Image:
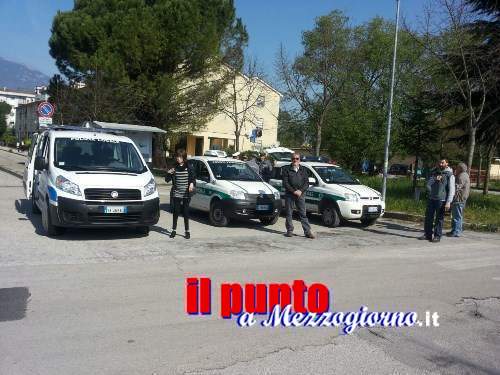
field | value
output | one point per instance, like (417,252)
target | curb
(420,219)
(12,151)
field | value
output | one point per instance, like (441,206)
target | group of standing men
(446,191)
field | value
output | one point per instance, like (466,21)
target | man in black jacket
(296,182)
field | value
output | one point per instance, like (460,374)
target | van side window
(41,145)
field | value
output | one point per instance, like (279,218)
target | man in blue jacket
(441,190)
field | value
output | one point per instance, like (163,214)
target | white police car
(89,178)
(229,189)
(336,195)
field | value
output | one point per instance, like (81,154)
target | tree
(459,59)
(419,131)
(355,126)
(150,60)
(292,131)
(316,78)
(4,112)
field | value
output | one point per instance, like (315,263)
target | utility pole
(391,97)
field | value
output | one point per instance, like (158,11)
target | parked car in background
(279,153)
(399,170)
(317,159)
(215,153)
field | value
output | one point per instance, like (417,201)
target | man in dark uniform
(296,183)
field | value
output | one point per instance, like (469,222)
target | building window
(261,101)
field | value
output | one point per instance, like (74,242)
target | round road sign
(45,109)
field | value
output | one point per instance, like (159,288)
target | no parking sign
(45,109)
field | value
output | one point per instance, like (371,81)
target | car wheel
(34,207)
(330,216)
(368,222)
(144,230)
(217,216)
(50,229)
(269,220)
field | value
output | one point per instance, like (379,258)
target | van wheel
(50,229)
(216,216)
(269,220)
(144,230)
(330,216)
(368,222)
(34,207)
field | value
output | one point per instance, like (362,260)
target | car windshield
(232,171)
(335,175)
(77,154)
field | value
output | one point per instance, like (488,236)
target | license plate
(263,207)
(115,209)
(372,209)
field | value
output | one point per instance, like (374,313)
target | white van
(229,189)
(336,195)
(90,178)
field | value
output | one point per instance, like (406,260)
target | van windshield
(335,175)
(232,171)
(77,154)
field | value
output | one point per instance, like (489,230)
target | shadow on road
(388,226)
(23,206)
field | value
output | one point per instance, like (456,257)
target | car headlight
(277,195)
(62,183)
(150,187)
(351,197)
(237,194)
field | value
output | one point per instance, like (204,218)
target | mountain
(18,76)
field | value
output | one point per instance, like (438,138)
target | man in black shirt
(296,182)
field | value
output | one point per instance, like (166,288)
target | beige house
(257,106)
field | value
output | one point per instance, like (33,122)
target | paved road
(109,302)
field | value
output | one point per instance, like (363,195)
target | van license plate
(115,209)
(372,209)
(263,207)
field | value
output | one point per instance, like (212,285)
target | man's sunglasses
(295,158)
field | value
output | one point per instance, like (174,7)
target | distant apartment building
(262,101)
(15,98)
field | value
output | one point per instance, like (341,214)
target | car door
(41,178)
(29,167)
(312,194)
(201,200)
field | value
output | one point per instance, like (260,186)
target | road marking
(470,263)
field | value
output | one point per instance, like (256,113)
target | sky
(25,25)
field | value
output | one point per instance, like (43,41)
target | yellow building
(257,106)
